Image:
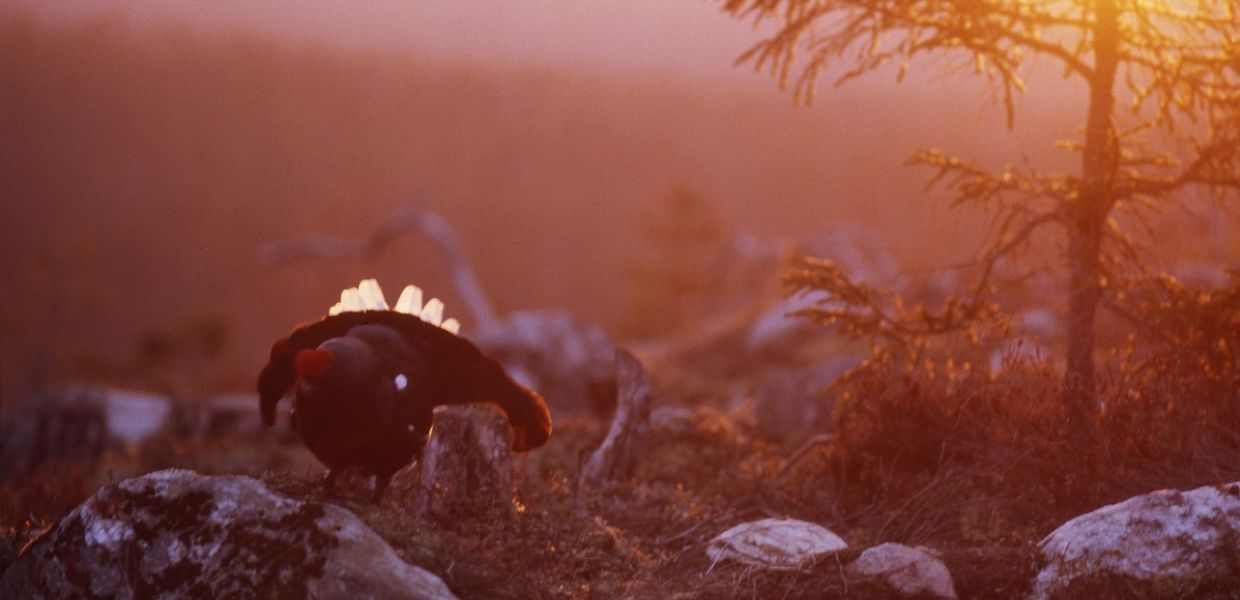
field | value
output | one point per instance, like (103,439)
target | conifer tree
(1162,121)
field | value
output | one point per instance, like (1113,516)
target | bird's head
(312,365)
(337,365)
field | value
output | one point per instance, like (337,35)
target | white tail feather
(410,301)
(352,299)
(369,296)
(433,311)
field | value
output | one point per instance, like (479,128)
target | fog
(152,148)
(687,38)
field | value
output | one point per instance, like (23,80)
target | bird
(366,378)
(569,361)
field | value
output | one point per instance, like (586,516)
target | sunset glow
(697,299)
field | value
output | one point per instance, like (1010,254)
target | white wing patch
(401,382)
(369,296)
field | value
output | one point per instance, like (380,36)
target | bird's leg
(329,480)
(381,483)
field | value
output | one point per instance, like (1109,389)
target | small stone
(774,543)
(912,571)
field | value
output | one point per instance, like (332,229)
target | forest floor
(974,467)
(643,539)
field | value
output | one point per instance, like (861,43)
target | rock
(66,424)
(911,571)
(1162,544)
(774,543)
(569,362)
(860,252)
(177,534)
(222,414)
(790,405)
(778,326)
(467,466)
(134,416)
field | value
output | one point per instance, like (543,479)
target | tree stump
(616,458)
(467,466)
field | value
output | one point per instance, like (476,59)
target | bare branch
(869,34)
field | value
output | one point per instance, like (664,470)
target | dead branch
(411,219)
(616,458)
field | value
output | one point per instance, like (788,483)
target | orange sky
(567,119)
(678,36)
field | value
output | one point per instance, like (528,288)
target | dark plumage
(365,384)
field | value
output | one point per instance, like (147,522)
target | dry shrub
(937,450)
(1172,415)
(934,449)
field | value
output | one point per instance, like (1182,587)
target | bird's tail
(369,296)
(527,411)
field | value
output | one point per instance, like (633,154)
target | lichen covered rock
(177,534)
(774,543)
(907,570)
(1162,544)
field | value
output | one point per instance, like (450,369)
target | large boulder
(907,570)
(1167,543)
(177,534)
(774,543)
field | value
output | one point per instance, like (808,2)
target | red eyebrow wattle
(313,364)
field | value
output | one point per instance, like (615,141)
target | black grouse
(366,380)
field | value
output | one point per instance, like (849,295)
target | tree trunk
(1087,214)
(1084,242)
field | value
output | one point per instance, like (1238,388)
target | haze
(151,148)
(687,37)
